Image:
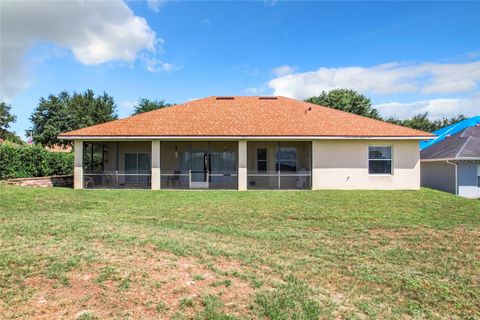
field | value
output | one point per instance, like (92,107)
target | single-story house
(453,164)
(247,143)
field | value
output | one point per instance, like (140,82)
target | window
(380,160)
(287,159)
(262,159)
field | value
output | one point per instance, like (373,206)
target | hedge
(24,161)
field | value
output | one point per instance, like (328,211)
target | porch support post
(155,184)
(242,165)
(315,168)
(78,165)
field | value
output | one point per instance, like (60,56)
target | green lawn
(227,255)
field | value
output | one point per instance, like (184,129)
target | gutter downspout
(456,175)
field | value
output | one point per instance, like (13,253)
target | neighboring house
(453,164)
(59,148)
(247,143)
(450,130)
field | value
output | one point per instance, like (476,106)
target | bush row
(24,161)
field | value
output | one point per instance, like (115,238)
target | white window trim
(392,156)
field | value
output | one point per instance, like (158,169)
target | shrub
(24,161)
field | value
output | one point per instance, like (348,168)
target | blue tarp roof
(447,131)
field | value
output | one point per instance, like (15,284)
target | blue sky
(408,57)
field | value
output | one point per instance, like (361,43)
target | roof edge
(451,159)
(131,137)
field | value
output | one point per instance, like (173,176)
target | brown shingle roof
(464,144)
(247,116)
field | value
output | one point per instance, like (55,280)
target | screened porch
(117,165)
(279,165)
(198,165)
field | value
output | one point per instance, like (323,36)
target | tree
(346,100)
(145,105)
(65,112)
(423,123)
(6,118)
(354,102)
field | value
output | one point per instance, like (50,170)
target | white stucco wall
(343,164)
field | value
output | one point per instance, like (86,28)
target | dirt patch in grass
(142,283)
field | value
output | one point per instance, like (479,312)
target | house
(450,130)
(453,164)
(247,143)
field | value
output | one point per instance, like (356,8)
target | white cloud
(155,5)
(426,78)
(269,3)
(95,31)
(127,104)
(436,108)
(156,65)
(263,89)
(252,90)
(283,71)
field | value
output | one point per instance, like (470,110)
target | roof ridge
(463,147)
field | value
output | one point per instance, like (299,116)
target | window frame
(391,159)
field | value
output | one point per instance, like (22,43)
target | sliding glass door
(137,168)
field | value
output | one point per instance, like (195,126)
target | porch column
(78,165)
(315,168)
(155,184)
(242,165)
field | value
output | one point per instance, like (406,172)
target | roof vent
(224,98)
(268,98)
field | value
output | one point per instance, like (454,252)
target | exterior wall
(438,175)
(343,164)
(468,179)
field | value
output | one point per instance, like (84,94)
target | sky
(408,57)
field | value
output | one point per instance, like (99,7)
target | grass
(238,255)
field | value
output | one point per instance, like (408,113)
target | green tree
(423,123)
(65,112)
(346,100)
(145,105)
(6,118)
